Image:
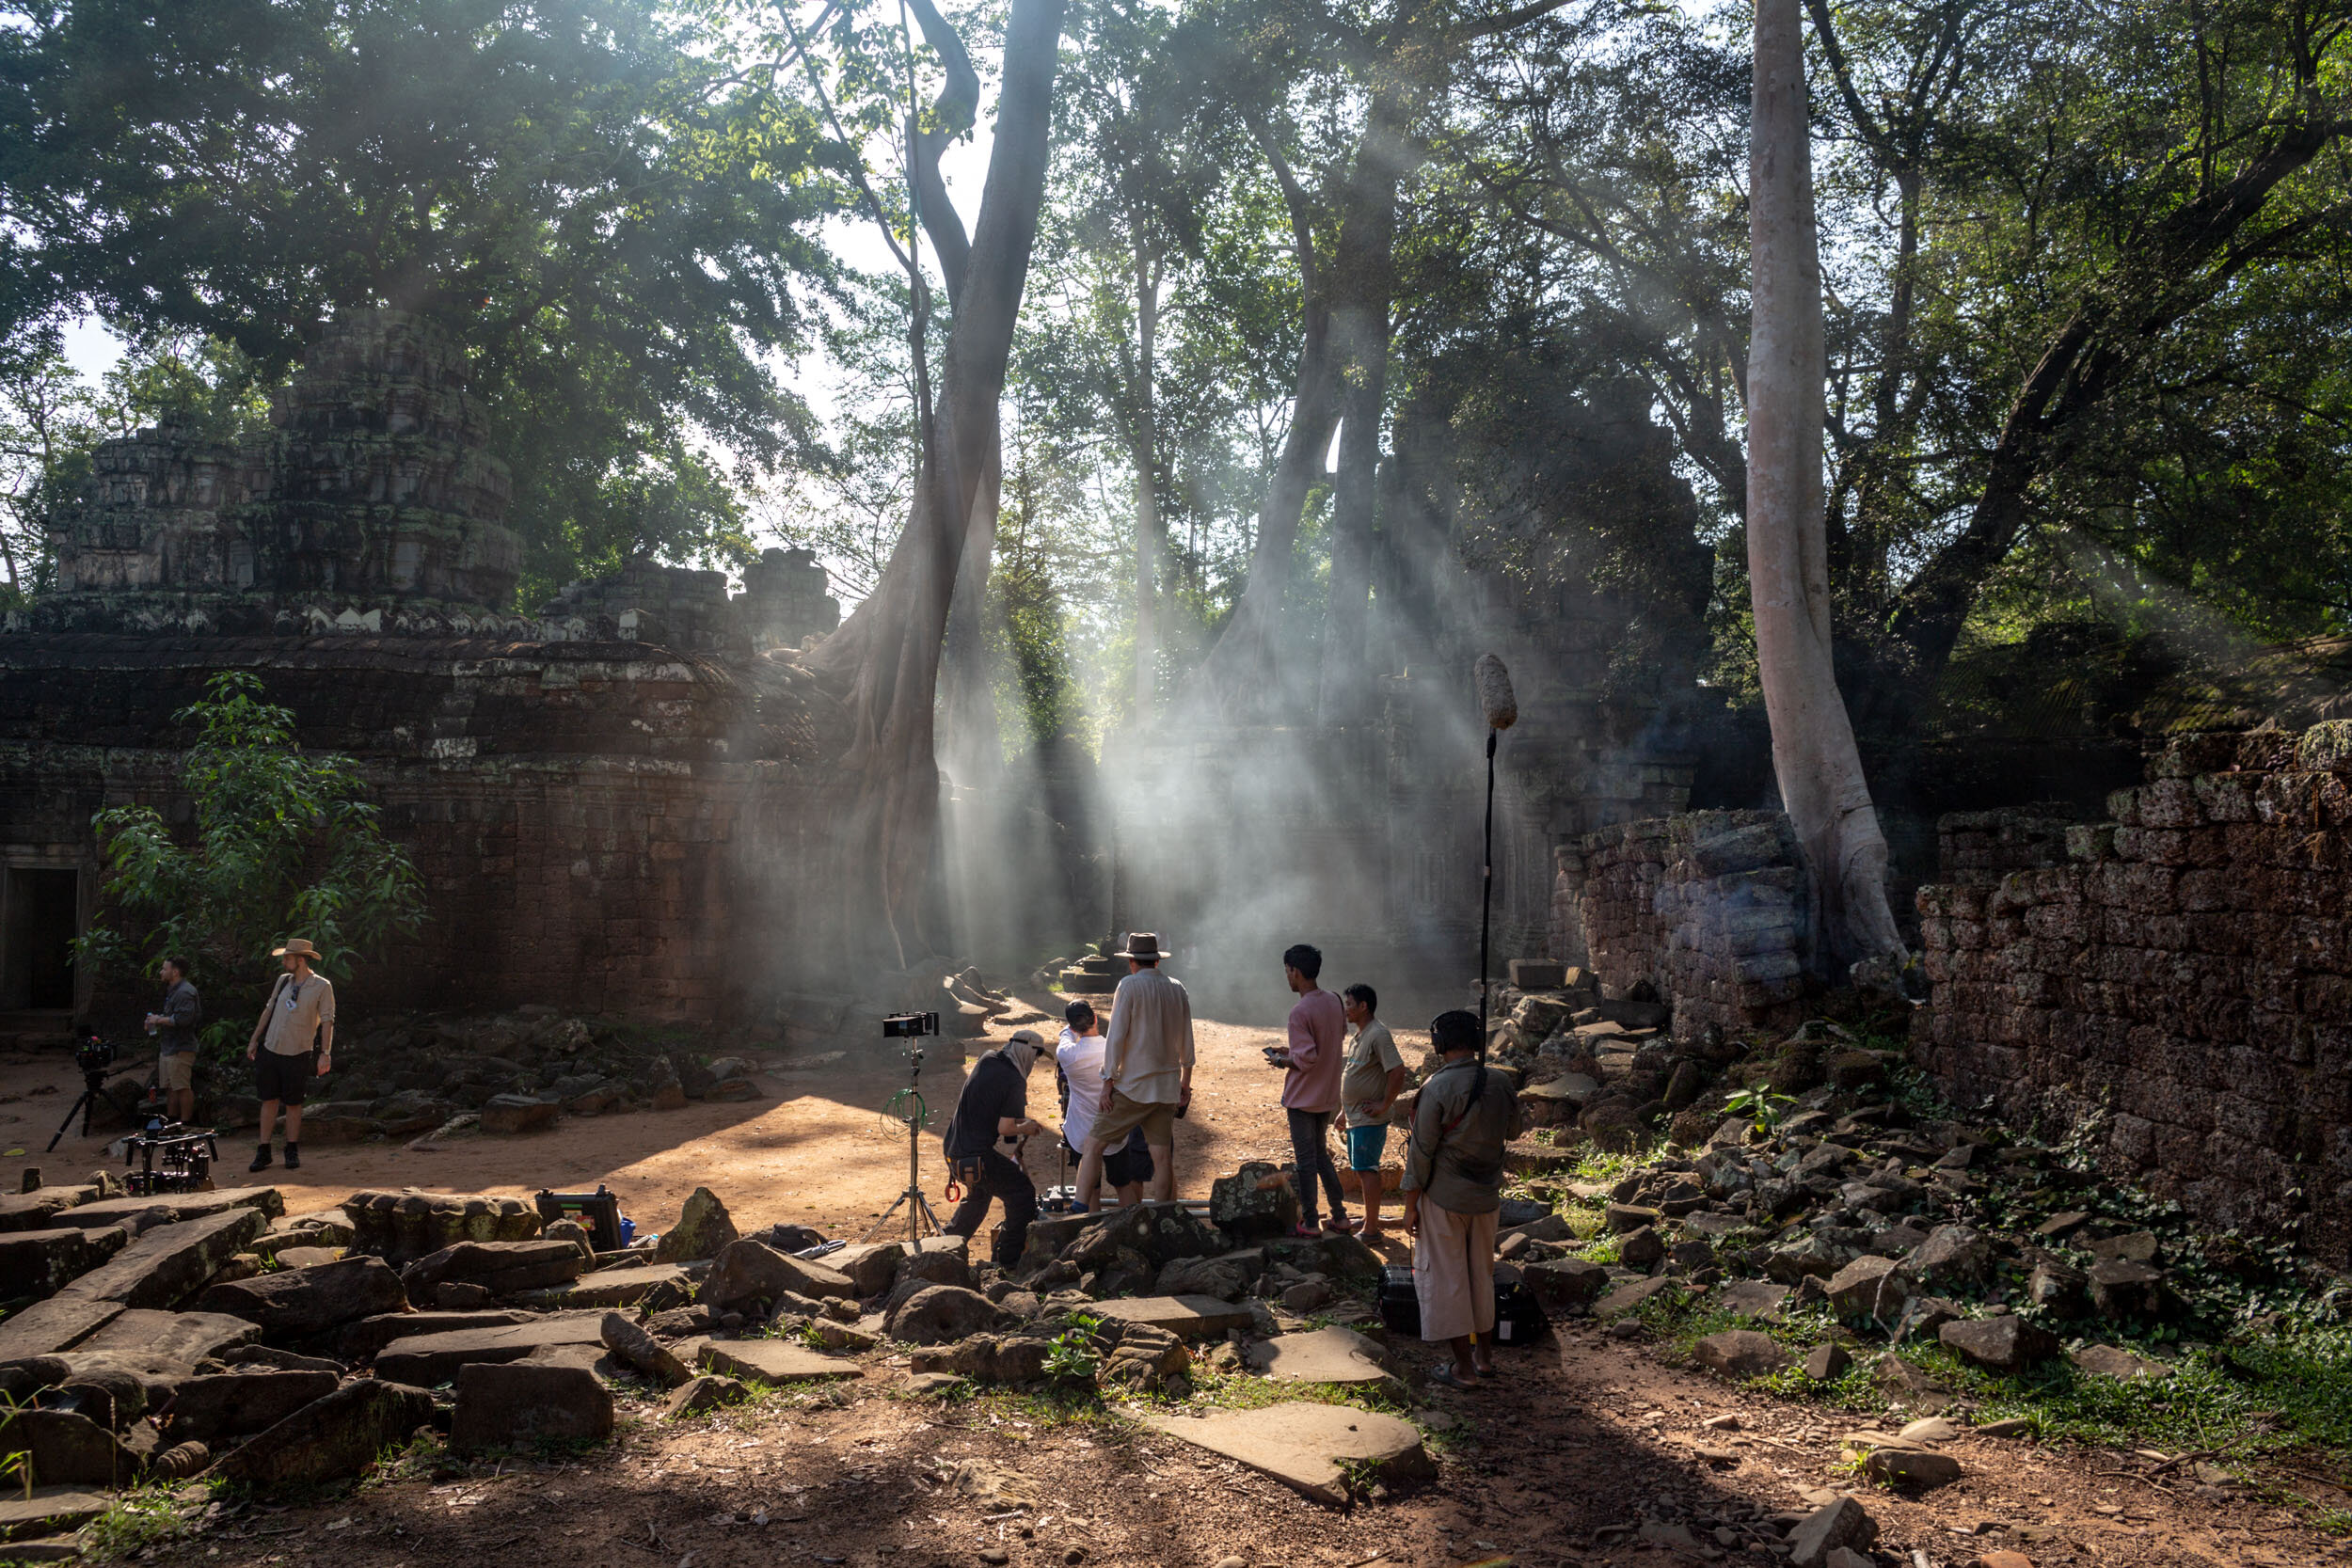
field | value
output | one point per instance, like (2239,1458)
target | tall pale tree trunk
(1144,454)
(884,659)
(1813,755)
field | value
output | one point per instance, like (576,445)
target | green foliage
(616,224)
(1765,1107)
(48,422)
(1071,1356)
(282,844)
(137,1519)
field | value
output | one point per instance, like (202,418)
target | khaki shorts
(1156,1118)
(176,1070)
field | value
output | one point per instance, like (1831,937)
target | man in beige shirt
(293,1042)
(1146,1067)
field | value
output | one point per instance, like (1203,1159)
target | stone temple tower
(372,494)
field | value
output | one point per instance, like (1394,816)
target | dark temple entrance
(39,917)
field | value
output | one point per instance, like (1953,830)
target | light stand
(907,1106)
(1486,898)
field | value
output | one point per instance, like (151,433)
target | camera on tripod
(93,1054)
(909,1026)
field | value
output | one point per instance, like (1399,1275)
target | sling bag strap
(261,1030)
(1478,1088)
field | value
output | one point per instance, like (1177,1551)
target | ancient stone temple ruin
(371,495)
(612,797)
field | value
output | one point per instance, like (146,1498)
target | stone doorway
(41,914)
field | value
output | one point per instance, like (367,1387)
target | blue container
(628,1230)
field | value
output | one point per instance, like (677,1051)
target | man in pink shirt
(1311,1089)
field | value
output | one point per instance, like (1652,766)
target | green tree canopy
(618,227)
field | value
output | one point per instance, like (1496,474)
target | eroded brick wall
(1705,908)
(2175,987)
(605,828)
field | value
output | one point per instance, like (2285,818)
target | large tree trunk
(1822,785)
(885,658)
(1363,282)
(972,742)
(1144,454)
(1239,675)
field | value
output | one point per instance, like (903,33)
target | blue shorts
(1365,1145)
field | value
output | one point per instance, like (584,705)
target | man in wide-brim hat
(1147,1067)
(292,1043)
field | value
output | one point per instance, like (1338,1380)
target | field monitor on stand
(1500,707)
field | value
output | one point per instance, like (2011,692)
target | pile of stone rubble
(1899,1226)
(211,1333)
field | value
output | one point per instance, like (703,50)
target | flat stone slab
(1759,1299)
(1186,1316)
(167,1340)
(2114,1361)
(1635,1295)
(49,1326)
(1308,1448)
(170,1263)
(607,1287)
(1326,1355)
(40,1262)
(777,1361)
(1711,1225)
(425,1360)
(49,1510)
(359,1341)
(181,1207)
(37,1211)
(1572,1089)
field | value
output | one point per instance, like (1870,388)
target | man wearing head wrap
(993,1111)
(1453,1192)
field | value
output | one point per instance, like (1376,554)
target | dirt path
(1590,1434)
(1558,1469)
(814,1149)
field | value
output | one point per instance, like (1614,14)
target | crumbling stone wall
(1705,910)
(604,825)
(2176,987)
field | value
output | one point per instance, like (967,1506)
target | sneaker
(294,1158)
(261,1160)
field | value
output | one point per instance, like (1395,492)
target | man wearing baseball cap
(992,1111)
(293,1042)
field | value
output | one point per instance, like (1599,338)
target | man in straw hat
(995,1107)
(1146,1067)
(292,1043)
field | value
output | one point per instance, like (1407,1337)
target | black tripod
(93,1084)
(907,1106)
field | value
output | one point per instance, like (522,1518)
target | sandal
(1339,1226)
(1446,1377)
(1306,1232)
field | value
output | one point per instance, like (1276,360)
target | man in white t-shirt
(1080,1060)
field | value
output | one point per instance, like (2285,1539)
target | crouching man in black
(992,1109)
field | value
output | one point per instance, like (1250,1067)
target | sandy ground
(814,1151)
(1556,1468)
(1587,1433)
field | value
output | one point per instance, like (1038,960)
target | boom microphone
(1494,693)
